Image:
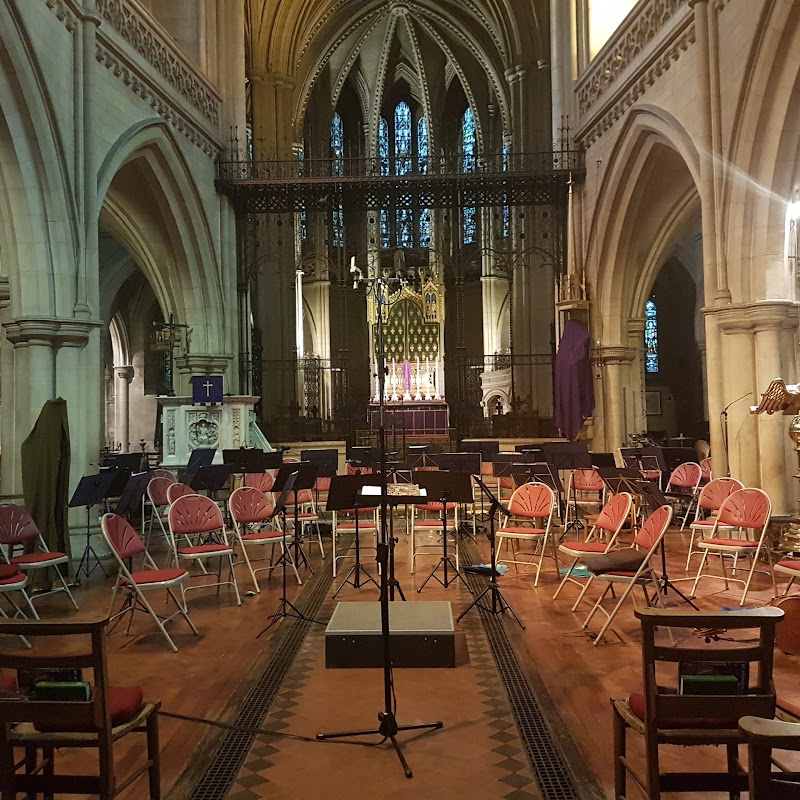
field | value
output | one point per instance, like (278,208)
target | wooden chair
(41,727)
(662,715)
(764,735)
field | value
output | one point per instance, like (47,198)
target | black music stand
(499,603)
(306,477)
(655,498)
(211,478)
(286,608)
(246,460)
(92,490)
(327,462)
(132,497)
(568,456)
(645,459)
(201,457)
(447,487)
(621,479)
(461,462)
(343,495)
(129,461)
(605,460)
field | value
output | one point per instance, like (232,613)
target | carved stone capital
(763,315)
(614,355)
(204,363)
(124,372)
(5,292)
(636,326)
(49,331)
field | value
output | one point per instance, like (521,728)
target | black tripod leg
(403,762)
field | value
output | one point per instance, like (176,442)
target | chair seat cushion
(790,563)
(146,576)
(290,515)
(351,526)
(709,523)
(583,547)
(520,530)
(201,549)
(727,543)
(39,558)
(431,523)
(434,506)
(637,706)
(8,571)
(617,561)
(124,703)
(17,579)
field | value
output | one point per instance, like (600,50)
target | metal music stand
(211,478)
(568,456)
(327,462)
(254,460)
(499,603)
(132,497)
(675,456)
(120,480)
(306,477)
(201,457)
(343,495)
(655,498)
(461,462)
(130,461)
(448,487)
(605,460)
(622,479)
(645,459)
(92,490)
(286,608)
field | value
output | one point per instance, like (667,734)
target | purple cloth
(407,375)
(573,389)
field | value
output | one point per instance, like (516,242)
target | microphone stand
(387,721)
(724,421)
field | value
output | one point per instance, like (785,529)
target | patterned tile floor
(478,753)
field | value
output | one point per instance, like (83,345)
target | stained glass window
(405,227)
(383,146)
(469,228)
(402,139)
(386,232)
(337,167)
(506,208)
(303,214)
(425,227)
(651,336)
(422,144)
(337,145)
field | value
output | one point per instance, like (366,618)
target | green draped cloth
(45,474)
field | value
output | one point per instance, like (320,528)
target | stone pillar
(638,385)
(615,363)
(122,420)
(562,72)
(494,291)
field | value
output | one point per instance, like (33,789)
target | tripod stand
(568,456)
(286,608)
(92,490)
(387,720)
(499,603)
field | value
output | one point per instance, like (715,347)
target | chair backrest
(533,500)
(614,512)
(662,702)
(259,480)
(163,473)
(352,469)
(653,528)
(587,480)
(303,496)
(713,494)
(121,537)
(176,490)
(157,491)
(705,466)
(686,476)
(193,514)
(16,525)
(248,505)
(746,508)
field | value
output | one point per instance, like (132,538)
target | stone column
(638,385)
(615,363)
(122,421)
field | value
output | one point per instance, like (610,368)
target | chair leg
(653,771)
(622,598)
(734,767)
(183,610)
(154,757)
(565,578)
(699,573)
(620,773)
(595,607)
(583,592)
(141,599)
(233,580)
(691,550)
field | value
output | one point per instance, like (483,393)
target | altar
(227,426)
(427,419)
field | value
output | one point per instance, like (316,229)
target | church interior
(399,398)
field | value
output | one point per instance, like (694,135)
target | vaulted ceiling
(374,43)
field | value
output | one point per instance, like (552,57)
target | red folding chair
(709,502)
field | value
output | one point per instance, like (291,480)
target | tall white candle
(436,395)
(418,396)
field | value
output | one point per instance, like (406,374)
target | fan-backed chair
(531,506)
(125,545)
(48,726)
(664,715)
(305,514)
(706,469)
(646,542)
(585,488)
(602,538)
(158,503)
(12,579)
(259,480)
(18,530)
(683,486)
(789,567)
(176,490)
(748,509)
(252,512)
(345,522)
(711,498)
(196,518)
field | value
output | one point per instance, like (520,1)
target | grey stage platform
(421,634)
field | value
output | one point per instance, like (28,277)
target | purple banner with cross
(206,389)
